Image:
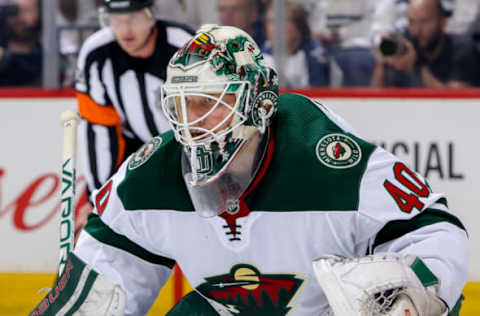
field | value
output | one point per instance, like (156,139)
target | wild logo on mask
(246,291)
(196,51)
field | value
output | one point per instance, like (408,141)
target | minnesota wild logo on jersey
(338,151)
(144,153)
(246,291)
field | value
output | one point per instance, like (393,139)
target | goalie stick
(69,120)
(78,290)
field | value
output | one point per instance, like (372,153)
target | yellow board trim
(19,295)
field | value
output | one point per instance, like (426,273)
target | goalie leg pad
(81,291)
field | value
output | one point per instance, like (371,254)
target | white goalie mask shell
(219,63)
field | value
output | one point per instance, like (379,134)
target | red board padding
(36,93)
(407,93)
(412,93)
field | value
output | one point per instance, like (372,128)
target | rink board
(436,136)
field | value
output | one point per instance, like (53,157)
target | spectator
(190,12)
(307,63)
(341,23)
(464,17)
(476,32)
(430,58)
(343,26)
(77,20)
(20,49)
(390,16)
(243,14)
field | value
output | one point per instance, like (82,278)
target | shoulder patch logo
(338,151)
(144,153)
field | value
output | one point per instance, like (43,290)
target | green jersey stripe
(63,293)
(442,201)
(456,309)
(424,274)
(104,234)
(398,228)
(92,276)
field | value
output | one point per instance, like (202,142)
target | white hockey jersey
(321,190)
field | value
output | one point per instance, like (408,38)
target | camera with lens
(391,45)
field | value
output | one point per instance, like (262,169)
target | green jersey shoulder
(153,177)
(316,165)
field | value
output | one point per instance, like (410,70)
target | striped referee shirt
(116,98)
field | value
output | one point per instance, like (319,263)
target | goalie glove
(384,284)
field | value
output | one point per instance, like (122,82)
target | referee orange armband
(96,113)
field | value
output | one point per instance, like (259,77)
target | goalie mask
(219,99)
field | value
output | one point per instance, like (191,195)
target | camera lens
(388,47)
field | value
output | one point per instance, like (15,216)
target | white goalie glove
(383,284)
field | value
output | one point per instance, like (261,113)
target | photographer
(20,49)
(426,56)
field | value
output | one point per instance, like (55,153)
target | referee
(119,68)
